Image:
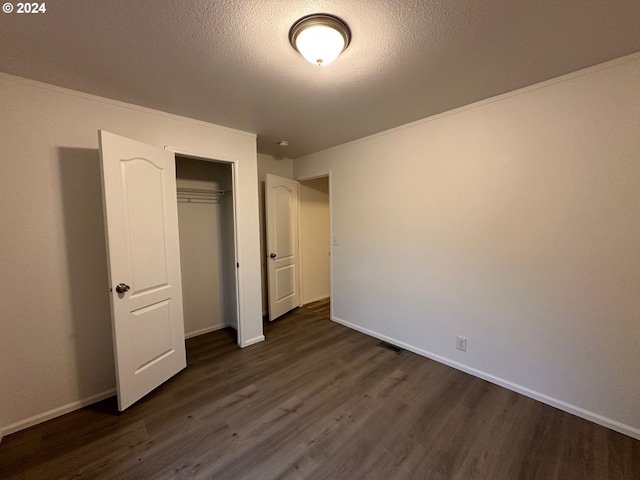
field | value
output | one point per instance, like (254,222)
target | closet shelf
(200,194)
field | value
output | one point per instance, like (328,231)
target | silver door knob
(122,288)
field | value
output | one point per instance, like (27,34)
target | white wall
(283,167)
(55,345)
(314,240)
(207,257)
(514,222)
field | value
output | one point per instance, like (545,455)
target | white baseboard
(252,341)
(554,402)
(56,412)
(202,331)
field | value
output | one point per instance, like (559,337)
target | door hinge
(237,265)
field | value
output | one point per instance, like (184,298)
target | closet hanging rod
(202,191)
(200,194)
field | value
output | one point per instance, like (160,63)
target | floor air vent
(390,346)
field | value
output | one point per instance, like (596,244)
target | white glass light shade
(320,44)
(320,37)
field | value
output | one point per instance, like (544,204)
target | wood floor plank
(317,400)
(321,307)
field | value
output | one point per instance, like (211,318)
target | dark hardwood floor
(322,307)
(319,401)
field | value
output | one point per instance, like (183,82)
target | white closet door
(139,187)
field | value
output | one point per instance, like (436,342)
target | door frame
(236,240)
(331,243)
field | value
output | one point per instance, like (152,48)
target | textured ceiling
(229,61)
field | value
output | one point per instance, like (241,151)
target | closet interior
(207,245)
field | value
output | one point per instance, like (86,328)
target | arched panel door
(141,221)
(281,205)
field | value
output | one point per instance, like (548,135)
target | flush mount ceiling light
(320,38)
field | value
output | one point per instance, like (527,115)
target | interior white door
(281,205)
(141,218)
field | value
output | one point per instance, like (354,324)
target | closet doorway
(206,223)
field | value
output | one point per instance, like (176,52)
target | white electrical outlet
(461,343)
